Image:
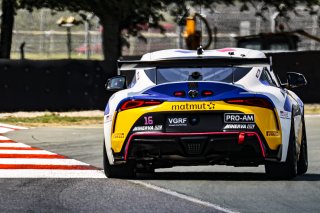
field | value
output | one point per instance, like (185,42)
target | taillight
(207,93)
(130,104)
(259,102)
(179,94)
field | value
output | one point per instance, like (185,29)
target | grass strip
(51,119)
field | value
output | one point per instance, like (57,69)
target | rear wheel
(289,168)
(126,170)
(303,156)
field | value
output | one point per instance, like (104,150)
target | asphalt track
(179,189)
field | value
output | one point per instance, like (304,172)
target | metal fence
(45,39)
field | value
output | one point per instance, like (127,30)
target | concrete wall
(307,63)
(53,85)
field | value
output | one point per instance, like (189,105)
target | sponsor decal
(193,93)
(148,120)
(177,121)
(240,126)
(238,118)
(193,106)
(273,133)
(108,118)
(284,114)
(147,128)
(118,135)
(258,73)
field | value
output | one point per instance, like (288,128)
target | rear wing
(192,62)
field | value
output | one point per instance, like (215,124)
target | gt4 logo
(238,118)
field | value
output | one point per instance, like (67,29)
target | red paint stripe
(19,148)
(7,141)
(6,127)
(44,156)
(53,167)
(226,50)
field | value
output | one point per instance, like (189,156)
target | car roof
(188,54)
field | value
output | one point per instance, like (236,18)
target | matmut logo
(193,106)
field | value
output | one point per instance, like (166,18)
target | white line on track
(312,116)
(14,145)
(37,161)
(182,196)
(47,173)
(27,152)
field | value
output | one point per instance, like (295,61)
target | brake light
(130,104)
(179,94)
(241,138)
(207,93)
(259,102)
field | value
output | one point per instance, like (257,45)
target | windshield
(221,74)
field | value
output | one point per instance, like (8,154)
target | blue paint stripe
(184,51)
(287,104)
(107,110)
(222,91)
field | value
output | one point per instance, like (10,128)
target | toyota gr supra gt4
(217,107)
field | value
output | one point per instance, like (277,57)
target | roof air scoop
(195,76)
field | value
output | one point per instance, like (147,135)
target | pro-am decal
(147,128)
(238,118)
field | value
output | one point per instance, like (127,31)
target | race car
(215,107)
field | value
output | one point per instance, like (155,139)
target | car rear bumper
(201,148)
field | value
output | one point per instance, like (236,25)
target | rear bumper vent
(194,145)
(193,148)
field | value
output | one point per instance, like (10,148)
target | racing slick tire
(303,156)
(288,169)
(126,170)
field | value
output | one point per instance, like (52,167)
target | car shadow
(221,176)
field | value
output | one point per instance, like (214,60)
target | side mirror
(295,80)
(116,83)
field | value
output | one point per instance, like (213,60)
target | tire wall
(60,85)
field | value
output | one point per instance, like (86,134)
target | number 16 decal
(148,120)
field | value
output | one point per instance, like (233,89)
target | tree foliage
(129,17)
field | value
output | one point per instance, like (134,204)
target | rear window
(221,74)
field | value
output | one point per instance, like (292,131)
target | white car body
(287,106)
